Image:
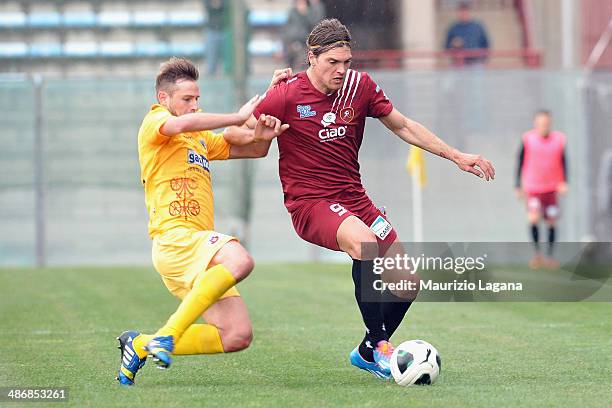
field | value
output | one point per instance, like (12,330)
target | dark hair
(329,33)
(174,70)
(543,112)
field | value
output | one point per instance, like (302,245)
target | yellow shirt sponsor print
(175,172)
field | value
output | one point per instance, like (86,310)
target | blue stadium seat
(117,49)
(13,49)
(44,19)
(265,48)
(155,49)
(149,18)
(12,19)
(265,18)
(187,49)
(45,50)
(80,49)
(114,18)
(185,18)
(79,19)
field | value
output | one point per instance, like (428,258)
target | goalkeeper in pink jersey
(326,108)
(541,176)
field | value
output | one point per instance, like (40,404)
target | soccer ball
(415,362)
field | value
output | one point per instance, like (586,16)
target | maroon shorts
(545,203)
(317,221)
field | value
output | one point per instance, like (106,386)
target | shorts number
(338,209)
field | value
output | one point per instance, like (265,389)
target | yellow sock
(139,342)
(199,339)
(209,286)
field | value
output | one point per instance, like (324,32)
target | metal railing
(396,59)
(476,4)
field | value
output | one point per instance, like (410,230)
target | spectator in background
(465,35)
(317,11)
(303,15)
(214,35)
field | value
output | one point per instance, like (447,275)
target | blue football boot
(372,367)
(382,356)
(161,348)
(130,362)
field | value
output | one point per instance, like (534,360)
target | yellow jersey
(175,173)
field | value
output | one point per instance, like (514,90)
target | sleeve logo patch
(381,227)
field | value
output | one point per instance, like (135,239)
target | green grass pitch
(58,328)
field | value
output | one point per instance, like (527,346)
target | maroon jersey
(319,152)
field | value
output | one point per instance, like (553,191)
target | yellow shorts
(179,255)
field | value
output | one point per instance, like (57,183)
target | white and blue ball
(415,362)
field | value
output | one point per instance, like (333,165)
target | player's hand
(247,109)
(268,127)
(562,188)
(475,164)
(520,194)
(280,75)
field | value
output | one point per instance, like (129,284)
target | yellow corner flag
(416,165)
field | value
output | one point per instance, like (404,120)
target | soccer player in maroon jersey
(326,108)
(541,175)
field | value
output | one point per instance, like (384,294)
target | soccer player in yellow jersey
(196,263)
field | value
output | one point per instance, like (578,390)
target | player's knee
(239,262)
(406,285)
(533,217)
(363,245)
(247,263)
(238,339)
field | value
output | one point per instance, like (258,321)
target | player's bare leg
(549,261)
(231,318)
(533,216)
(231,264)
(230,314)
(235,258)
(354,236)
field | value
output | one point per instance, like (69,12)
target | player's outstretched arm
(253,137)
(253,140)
(199,121)
(414,133)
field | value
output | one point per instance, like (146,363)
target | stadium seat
(45,50)
(265,18)
(13,49)
(79,19)
(187,49)
(114,18)
(264,48)
(12,19)
(116,49)
(185,18)
(44,19)
(80,49)
(155,49)
(149,18)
